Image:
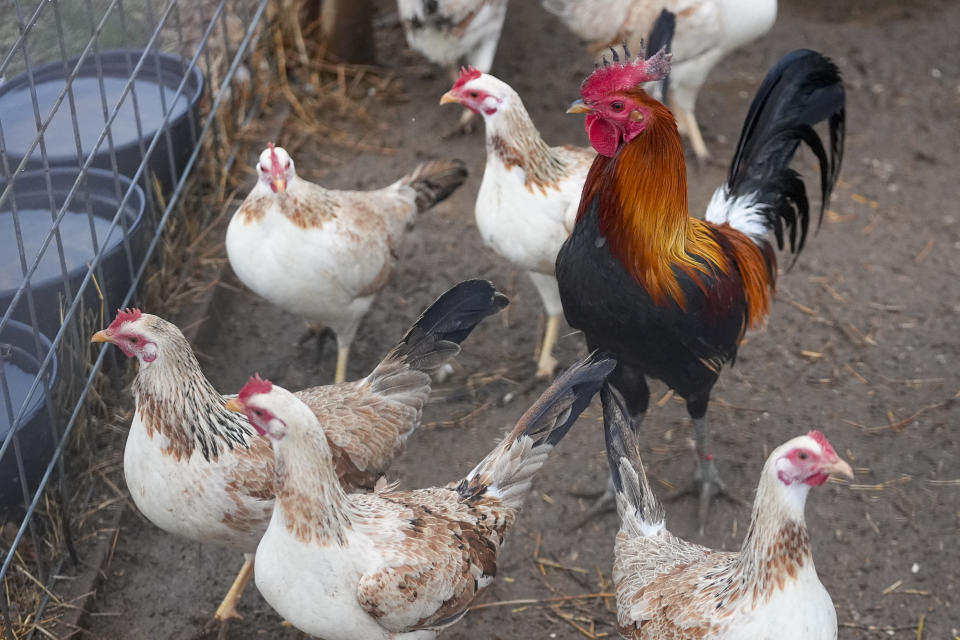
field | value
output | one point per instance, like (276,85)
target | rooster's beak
(578,106)
(449,98)
(234,404)
(101,336)
(839,468)
(279,185)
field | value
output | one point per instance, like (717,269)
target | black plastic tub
(155,86)
(123,246)
(20,358)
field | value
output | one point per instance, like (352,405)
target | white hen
(394,564)
(528,199)
(671,589)
(706,31)
(325,254)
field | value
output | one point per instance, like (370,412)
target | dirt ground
(862,343)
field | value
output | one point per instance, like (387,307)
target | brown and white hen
(199,471)
(671,589)
(325,254)
(394,564)
(527,203)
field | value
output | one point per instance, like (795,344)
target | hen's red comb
(620,76)
(273,156)
(466,75)
(824,444)
(255,385)
(124,316)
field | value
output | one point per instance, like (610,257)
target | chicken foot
(228,608)
(707,482)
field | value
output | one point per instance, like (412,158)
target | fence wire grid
(105,108)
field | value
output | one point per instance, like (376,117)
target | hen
(454,32)
(667,295)
(199,471)
(706,31)
(670,588)
(325,254)
(527,203)
(393,564)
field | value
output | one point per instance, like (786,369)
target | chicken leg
(692,130)
(228,608)
(546,363)
(343,354)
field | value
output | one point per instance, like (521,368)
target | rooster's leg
(343,354)
(228,608)
(546,362)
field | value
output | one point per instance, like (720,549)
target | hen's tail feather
(637,505)
(762,192)
(506,473)
(661,37)
(434,181)
(435,338)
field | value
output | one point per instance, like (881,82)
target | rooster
(669,588)
(199,471)
(528,198)
(325,254)
(706,31)
(454,32)
(667,295)
(393,564)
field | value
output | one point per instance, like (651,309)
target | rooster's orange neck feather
(643,209)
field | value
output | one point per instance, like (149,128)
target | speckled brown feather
(449,546)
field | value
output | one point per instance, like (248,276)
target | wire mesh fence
(106,108)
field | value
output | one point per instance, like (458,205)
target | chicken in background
(325,254)
(670,588)
(527,202)
(667,295)
(394,564)
(706,31)
(451,33)
(199,471)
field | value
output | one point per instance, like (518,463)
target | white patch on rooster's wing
(743,213)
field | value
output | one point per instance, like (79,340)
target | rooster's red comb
(466,75)
(255,385)
(124,316)
(620,76)
(824,444)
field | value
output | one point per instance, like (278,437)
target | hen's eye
(287,166)
(474,94)
(617,106)
(262,168)
(258,412)
(802,455)
(133,340)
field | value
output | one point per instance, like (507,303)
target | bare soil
(862,343)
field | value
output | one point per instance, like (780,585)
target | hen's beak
(234,404)
(279,185)
(449,98)
(579,106)
(839,468)
(101,336)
